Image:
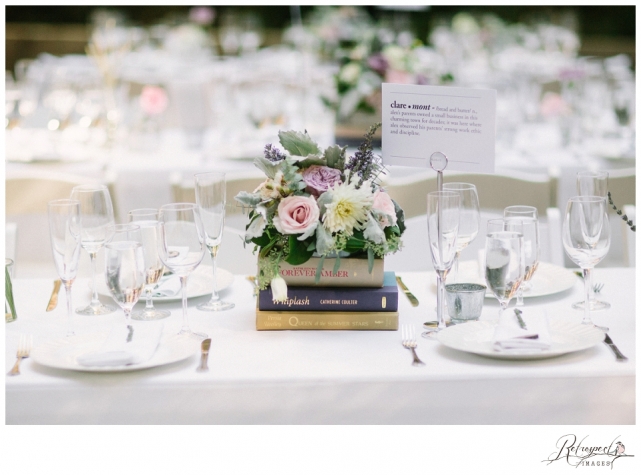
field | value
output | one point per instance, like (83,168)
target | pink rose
(319,179)
(153,100)
(297,215)
(399,77)
(384,206)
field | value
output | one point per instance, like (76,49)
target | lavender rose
(297,215)
(319,179)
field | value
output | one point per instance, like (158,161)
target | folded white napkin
(126,345)
(508,335)
(168,286)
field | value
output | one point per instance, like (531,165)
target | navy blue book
(330,299)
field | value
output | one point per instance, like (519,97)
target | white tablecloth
(330,377)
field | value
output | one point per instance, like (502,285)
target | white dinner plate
(548,279)
(476,337)
(62,353)
(199,284)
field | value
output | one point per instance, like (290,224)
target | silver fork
(409,342)
(24,348)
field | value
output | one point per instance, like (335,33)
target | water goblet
(442,230)
(586,239)
(528,215)
(181,246)
(125,273)
(96,224)
(210,197)
(147,219)
(592,183)
(64,229)
(504,268)
(469,221)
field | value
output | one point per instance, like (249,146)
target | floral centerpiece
(318,202)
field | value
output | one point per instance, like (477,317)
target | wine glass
(586,238)
(64,229)
(125,272)
(181,246)
(592,183)
(442,228)
(96,225)
(210,197)
(528,215)
(470,218)
(147,219)
(504,269)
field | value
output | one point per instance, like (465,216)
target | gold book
(353,272)
(278,320)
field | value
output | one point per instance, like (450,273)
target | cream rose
(297,215)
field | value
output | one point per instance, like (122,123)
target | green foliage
(298,143)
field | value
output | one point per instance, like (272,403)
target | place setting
(158,254)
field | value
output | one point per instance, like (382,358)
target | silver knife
(204,346)
(413,300)
(608,341)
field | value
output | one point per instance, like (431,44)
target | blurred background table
(141,98)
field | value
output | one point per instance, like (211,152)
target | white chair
(495,193)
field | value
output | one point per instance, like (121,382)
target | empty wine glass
(125,273)
(64,229)
(147,219)
(528,215)
(592,183)
(586,238)
(181,246)
(96,224)
(442,228)
(469,219)
(210,197)
(504,269)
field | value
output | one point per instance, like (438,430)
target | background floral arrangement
(318,202)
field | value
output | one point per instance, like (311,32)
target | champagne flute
(470,218)
(96,224)
(210,197)
(64,229)
(147,219)
(586,239)
(504,269)
(529,217)
(125,273)
(181,246)
(442,228)
(592,183)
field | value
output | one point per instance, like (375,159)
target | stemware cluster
(172,239)
(512,246)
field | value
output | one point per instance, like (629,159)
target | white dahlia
(348,208)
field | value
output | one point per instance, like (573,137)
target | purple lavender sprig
(273,154)
(364,163)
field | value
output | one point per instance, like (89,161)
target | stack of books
(351,299)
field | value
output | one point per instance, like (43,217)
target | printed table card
(420,120)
